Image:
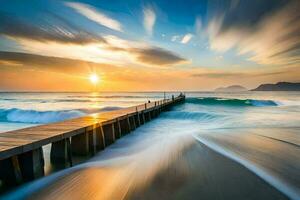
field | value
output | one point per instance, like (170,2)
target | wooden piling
(32,164)
(80,144)
(109,133)
(10,172)
(61,154)
(117,128)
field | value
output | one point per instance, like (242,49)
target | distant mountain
(280,86)
(232,88)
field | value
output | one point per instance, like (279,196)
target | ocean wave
(43,117)
(104,109)
(39,117)
(189,115)
(231,102)
(115,96)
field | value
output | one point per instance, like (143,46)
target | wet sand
(192,172)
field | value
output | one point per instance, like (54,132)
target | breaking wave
(43,117)
(116,96)
(231,102)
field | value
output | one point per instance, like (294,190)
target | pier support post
(143,117)
(117,128)
(156,111)
(93,140)
(61,154)
(132,122)
(123,126)
(136,120)
(147,116)
(153,115)
(128,124)
(10,172)
(140,118)
(32,164)
(109,133)
(80,144)
(100,138)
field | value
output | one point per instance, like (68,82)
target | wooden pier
(21,152)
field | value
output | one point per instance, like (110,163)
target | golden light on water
(94,78)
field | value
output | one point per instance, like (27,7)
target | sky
(190,45)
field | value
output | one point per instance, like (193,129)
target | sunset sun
(94,78)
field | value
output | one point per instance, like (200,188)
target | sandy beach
(193,172)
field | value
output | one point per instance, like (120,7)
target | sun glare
(94,78)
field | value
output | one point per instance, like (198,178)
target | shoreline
(195,172)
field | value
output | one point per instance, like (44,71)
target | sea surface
(214,146)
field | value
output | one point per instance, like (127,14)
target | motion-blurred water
(214,146)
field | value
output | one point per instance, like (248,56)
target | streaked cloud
(272,39)
(115,50)
(158,56)
(48,63)
(198,25)
(47,32)
(186,38)
(95,15)
(149,19)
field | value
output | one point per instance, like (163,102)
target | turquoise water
(19,110)
(258,130)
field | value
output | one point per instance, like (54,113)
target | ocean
(20,110)
(215,146)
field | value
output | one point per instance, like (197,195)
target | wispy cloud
(114,50)
(149,19)
(63,32)
(95,15)
(272,40)
(50,63)
(186,38)
(158,56)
